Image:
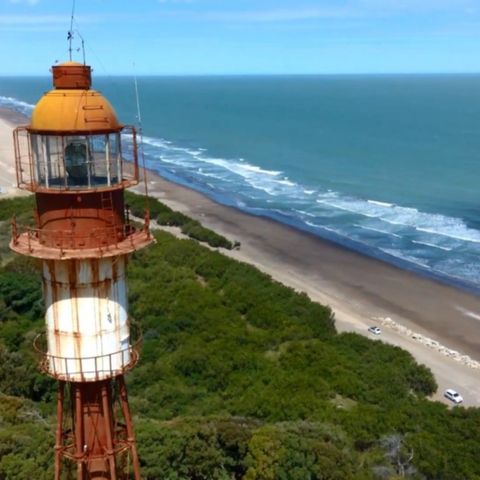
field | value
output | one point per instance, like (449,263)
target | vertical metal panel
(86,316)
(45,157)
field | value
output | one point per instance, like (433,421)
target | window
(76,162)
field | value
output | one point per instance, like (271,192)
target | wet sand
(360,290)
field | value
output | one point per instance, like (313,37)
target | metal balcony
(89,369)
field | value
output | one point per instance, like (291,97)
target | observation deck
(68,244)
(89,369)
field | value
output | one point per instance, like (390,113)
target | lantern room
(77,158)
(74,141)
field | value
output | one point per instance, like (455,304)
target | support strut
(95,440)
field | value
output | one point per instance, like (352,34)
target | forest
(240,377)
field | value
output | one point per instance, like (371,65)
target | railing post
(18,160)
(147,222)
(30,161)
(59,431)
(14,230)
(81,368)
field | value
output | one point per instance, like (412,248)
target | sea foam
(405,216)
(404,232)
(428,240)
(17,105)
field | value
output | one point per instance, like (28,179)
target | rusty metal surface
(86,220)
(59,430)
(86,315)
(27,242)
(98,438)
(72,75)
(48,363)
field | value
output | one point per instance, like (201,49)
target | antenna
(71,35)
(83,46)
(70,32)
(139,115)
(140,131)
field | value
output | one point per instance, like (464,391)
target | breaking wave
(432,223)
(373,226)
(17,105)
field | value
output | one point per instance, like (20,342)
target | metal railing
(100,239)
(50,172)
(72,238)
(89,369)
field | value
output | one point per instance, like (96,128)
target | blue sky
(244,36)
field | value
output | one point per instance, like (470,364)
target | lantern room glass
(76,161)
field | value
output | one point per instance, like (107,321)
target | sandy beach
(8,178)
(360,290)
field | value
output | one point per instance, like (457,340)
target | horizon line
(252,74)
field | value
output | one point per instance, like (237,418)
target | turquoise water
(385,165)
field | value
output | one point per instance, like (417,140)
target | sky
(200,37)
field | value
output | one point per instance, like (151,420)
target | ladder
(106,202)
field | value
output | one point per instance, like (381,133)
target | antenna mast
(137,98)
(140,131)
(83,47)
(70,32)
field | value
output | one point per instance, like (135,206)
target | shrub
(164,215)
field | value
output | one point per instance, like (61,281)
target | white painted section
(86,315)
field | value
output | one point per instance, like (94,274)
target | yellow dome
(69,63)
(72,110)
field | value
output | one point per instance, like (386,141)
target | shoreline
(343,273)
(345,244)
(361,290)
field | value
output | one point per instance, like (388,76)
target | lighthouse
(78,159)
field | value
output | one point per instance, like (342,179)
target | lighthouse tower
(72,157)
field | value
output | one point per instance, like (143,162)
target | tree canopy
(240,378)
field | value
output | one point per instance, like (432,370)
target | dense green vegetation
(240,378)
(164,215)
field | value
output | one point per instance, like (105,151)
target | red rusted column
(129,425)
(59,430)
(78,429)
(110,452)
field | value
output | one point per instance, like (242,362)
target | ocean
(388,166)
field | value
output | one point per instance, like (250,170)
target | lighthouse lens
(76,163)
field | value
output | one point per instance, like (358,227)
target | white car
(454,396)
(374,330)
